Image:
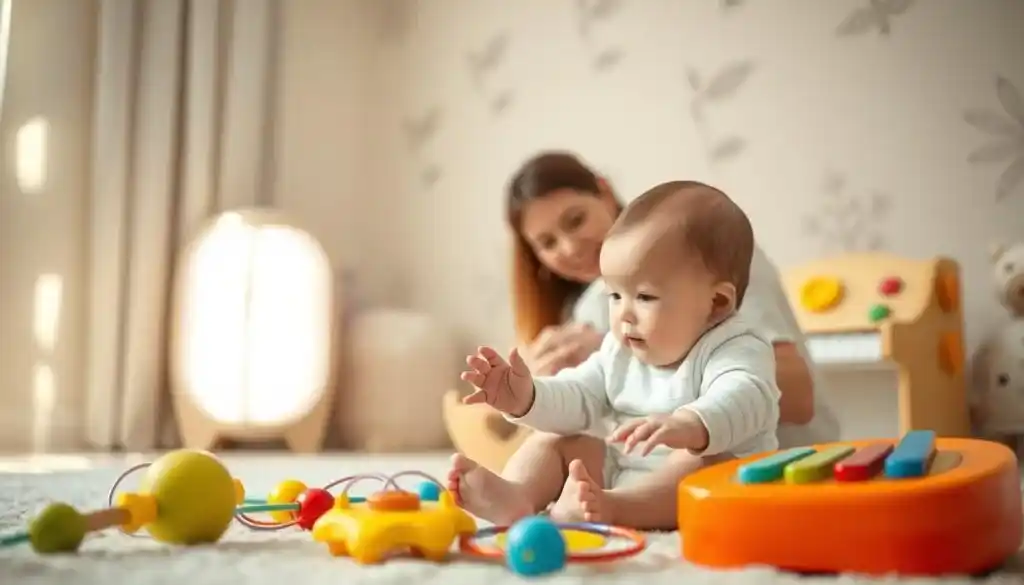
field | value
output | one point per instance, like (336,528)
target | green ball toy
(58,528)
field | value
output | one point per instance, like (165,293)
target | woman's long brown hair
(539,298)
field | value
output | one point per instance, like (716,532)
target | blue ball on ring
(535,546)
(429,491)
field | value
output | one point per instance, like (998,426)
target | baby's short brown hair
(708,222)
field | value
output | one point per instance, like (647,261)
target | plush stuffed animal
(998,400)
(1008,276)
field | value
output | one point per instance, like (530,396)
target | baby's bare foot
(486,495)
(582,499)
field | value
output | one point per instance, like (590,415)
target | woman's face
(565,228)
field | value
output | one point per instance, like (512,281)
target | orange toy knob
(951,353)
(393,501)
(947,291)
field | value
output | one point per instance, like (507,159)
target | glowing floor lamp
(253,349)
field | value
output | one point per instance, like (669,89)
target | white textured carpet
(280,557)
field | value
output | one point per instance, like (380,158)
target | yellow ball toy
(195,497)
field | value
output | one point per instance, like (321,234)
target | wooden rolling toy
(919,506)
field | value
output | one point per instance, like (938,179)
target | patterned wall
(842,125)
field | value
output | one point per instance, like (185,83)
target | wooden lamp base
(200,431)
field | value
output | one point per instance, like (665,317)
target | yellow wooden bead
(286,492)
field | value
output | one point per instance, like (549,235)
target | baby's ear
(723,303)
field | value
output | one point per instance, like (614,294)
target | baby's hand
(507,386)
(682,429)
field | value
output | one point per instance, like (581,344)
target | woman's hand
(562,347)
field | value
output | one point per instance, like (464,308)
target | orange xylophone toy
(919,506)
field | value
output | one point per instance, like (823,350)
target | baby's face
(660,298)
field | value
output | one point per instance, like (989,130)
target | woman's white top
(766,306)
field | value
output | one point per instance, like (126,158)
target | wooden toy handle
(109,518)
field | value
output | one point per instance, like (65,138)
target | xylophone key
(818,466)
(771,467)
(866,463)
(913,455)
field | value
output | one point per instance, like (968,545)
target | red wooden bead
(313,503)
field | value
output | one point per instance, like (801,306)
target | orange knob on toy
(947,290)
(951,353)
(393,501)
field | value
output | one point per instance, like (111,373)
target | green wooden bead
(58,528)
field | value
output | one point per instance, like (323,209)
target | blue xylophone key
(912,456)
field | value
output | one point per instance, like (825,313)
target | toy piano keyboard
(919,506)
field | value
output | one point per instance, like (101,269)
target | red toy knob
(890,286)
(313,503)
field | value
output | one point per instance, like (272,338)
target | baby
(680,381)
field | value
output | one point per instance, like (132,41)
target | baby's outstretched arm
(739,398)
(572,400)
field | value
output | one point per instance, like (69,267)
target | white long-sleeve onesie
(727,379)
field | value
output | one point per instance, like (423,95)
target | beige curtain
(46,73)
(184,127)
(125,124)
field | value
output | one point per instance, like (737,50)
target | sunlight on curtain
(31,154)
(44,390)
(48,298)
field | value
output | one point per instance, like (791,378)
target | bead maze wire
(244,518)
(113,490)
(390,483)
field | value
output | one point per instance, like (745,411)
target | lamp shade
(253,321)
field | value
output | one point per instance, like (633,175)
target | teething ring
(468,543)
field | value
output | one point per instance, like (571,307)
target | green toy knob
(59,528)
